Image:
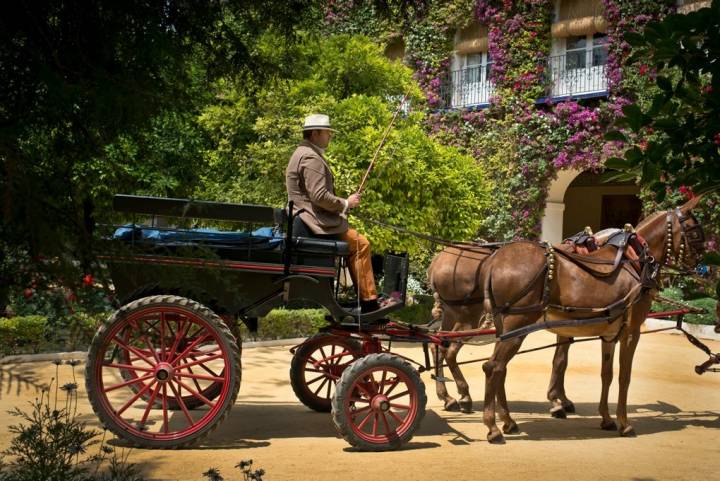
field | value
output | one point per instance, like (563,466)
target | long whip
(382,142)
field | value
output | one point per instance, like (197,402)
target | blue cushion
(262,237)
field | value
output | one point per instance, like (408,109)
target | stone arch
(552,221)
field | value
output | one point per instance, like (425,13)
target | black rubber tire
(347,387)
(298,365)
(225,336)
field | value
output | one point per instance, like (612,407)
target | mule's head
(685,238)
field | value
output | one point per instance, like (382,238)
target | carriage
(165,369)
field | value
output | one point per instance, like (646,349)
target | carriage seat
(304,241)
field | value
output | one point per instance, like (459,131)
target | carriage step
(440,378)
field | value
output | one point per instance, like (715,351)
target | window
(477,67)
(587,50)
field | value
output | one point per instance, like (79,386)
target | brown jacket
(310,186)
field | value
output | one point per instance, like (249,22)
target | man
(310,186)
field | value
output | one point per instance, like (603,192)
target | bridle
(691,236)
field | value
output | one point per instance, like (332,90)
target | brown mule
(517,289)
(454,276)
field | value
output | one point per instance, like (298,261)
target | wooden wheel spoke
(316,379)
(359,400)
(400,406)
(325,380)
(386,424)
(375,424)
(131,381)
(134,350)
(329,387)
(390,398)
(382,381)
(360,411)
(199,361)
(365,420)
(129,367)
(162,335)
(195,381)
(200,376)
(190,348)
(179,336)
(196,394)
(154,394)
(394,384)
(396,417)
(165,426)
(182,405)
(135,397)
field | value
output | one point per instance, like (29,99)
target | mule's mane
(649,219)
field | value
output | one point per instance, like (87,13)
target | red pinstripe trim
(251,266)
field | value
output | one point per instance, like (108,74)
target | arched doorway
(591,202)
(577,199)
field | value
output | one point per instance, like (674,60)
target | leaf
(617,163)
(616,135)
(664,83)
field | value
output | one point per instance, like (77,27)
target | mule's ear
(691,204)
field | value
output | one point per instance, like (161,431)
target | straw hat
(317,122)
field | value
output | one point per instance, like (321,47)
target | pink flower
(88,280)
(686,191)
(643,69)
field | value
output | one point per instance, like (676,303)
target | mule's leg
(606,374)
(440,355)
(556,390)
(509,425)
(463,389)
(494,380)
(628,343)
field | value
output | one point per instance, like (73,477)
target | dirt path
(676,414)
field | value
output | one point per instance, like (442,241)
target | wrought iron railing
(574,74)
(466,87)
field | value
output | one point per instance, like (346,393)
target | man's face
(321,138)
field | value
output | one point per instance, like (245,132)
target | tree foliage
(417,183)
(682,122)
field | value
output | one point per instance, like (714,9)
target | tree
(100,97)
(417,183)
(675,141)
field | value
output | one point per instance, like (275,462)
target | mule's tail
(488,304)
(437,310)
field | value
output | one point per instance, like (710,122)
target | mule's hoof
(569,407)
(452,405)
(628,432)
(558,412)
(511,428)
(466,406)
(496,437)
(608,426)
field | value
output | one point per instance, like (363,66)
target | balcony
(578,74)
(466,88)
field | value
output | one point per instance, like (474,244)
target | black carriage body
(246,275)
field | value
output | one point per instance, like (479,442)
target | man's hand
(353,201)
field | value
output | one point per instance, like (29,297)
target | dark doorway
(618,210)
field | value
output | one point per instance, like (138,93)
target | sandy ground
(676,414)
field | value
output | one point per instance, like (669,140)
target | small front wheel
(317,365)
(378,403)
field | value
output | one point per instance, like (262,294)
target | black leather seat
(304,241)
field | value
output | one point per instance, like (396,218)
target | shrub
(676,294)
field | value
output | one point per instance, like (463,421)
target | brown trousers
(360,266)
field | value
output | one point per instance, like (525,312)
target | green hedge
(33,334)
(676,294)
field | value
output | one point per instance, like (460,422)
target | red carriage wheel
(379,403)
(191,351)
(163,326)
(317,365)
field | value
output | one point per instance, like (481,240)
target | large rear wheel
(154,350)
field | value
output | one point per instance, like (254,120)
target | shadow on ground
(254,425)
(647,419)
